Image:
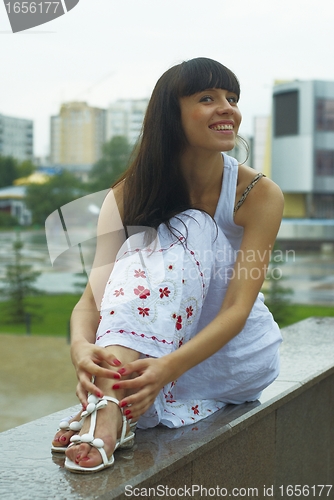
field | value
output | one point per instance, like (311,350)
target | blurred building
(125,117)
(77,136)
(303,147)
(262,145)
(12,202)
(16,137)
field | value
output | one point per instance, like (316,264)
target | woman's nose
(225,108)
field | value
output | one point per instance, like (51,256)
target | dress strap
(247,190)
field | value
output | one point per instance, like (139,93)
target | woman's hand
(87,359)
(151,375)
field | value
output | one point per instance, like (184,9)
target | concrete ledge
(287,438)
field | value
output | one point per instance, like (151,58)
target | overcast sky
(103,50)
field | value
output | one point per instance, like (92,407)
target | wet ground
(36,378)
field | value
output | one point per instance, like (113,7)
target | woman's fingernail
(117,375)
(115,386)
(129,417)
(122,370)
(117,362)
(123,403)
(127,412)
(99,394)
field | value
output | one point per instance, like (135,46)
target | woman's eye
(206,98)
(232,100)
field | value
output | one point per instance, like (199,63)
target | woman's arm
(260,216)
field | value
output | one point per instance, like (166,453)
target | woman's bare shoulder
(266,196)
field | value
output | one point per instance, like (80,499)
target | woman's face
(211,119)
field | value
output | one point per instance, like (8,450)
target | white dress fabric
(163,291)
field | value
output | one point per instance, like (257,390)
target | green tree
(276,294)
(8,170)
(115,158)
(43,199)
(18,280)
(7,220)
(25,168)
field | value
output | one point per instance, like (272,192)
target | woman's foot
(63,435)
(108,428)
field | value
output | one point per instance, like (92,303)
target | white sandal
(125,441)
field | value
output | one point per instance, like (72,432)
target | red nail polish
(115,386)
(117,362)
(122,370)
(127,412)
(129,417)
(123,403)
(99,394)
(117,375)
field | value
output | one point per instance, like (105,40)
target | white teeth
(222,127)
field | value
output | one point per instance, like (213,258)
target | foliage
(7,220)
(25,168)
(108,169)
(8,171)
(19,279)
(43,199)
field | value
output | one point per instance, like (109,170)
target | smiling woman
(178,322)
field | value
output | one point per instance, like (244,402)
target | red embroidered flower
(144,311)
(189,311)
(164,292)
(140,274)
(179,323)
(119,292)
(195,409)
(142,292)
(170,267)
(112,312)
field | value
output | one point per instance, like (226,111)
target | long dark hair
(154,189)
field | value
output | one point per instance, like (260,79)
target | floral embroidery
(119,292)
(112,312)
(164,292)
(142,292)
(195,409)
(139,274)
(170,267)
(144,311)
(178,321)
(189,311)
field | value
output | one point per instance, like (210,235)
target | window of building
(325,114)
(323,205)
(286,107)
(324,162)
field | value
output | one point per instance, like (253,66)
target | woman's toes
(62,438)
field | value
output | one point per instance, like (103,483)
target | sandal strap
(95,404)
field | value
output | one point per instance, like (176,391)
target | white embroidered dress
(159,295)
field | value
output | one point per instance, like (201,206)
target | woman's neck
(203,174)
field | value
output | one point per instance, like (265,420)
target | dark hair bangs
(201,73)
